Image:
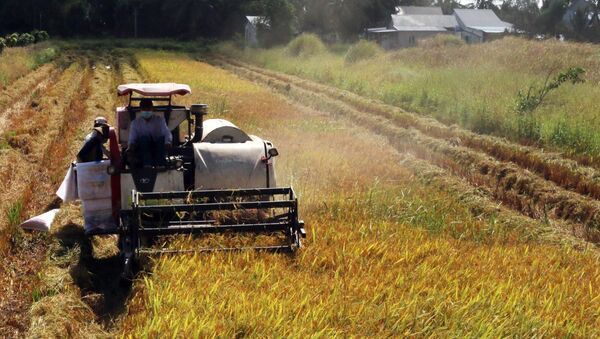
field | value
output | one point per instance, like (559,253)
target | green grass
(363,50)
(44,56)
(474,86)
(18,61)
(14,214)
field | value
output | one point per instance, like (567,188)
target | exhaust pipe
(199,111)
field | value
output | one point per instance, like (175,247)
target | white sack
(93,180)
(41,222)
(68,189)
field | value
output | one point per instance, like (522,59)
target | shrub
(441,40)
(2,44)
(40,36)
(25,39)
(362,50)
(12,40)
(528,101)
(44,56)
(305,45)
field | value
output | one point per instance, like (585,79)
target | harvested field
(26,90)
(71,98)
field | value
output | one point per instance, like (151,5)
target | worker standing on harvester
(93,146)
(149,138)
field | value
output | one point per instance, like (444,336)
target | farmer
(149,138)
(93,145)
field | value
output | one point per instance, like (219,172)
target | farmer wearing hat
(149,138)
(93,145)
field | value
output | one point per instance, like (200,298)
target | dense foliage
(24,39)
(332,20)
(191,18)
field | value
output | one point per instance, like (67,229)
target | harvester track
(506,180)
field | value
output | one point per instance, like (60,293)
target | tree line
(218,19)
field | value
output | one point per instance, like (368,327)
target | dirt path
(524,190)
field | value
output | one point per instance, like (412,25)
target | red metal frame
(115,180)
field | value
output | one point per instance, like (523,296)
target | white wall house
(405,30)
(251,29)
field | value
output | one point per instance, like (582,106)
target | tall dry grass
(474,86)
(385,255)
(18,61)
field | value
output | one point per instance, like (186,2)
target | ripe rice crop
(385,254)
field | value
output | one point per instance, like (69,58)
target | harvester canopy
(159,89)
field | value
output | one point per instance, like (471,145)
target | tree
(486,4)
(343,19)
(523,14)
(551,15)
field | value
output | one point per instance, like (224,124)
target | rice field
(386,255)
(407,234)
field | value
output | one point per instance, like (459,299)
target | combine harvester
(217,179)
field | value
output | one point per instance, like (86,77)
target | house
(251,29)
(405,30)
(480,25)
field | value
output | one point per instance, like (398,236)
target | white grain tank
(228,158)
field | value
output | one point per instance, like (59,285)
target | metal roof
(380,30)
(418,10)
(423,22)
(256,19)
(482,19)
(421,29)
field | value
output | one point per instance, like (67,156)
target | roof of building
(380,30)
(418,10)
(423,22)
(256,19)
(482,19)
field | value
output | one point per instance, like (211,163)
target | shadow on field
(97,273)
